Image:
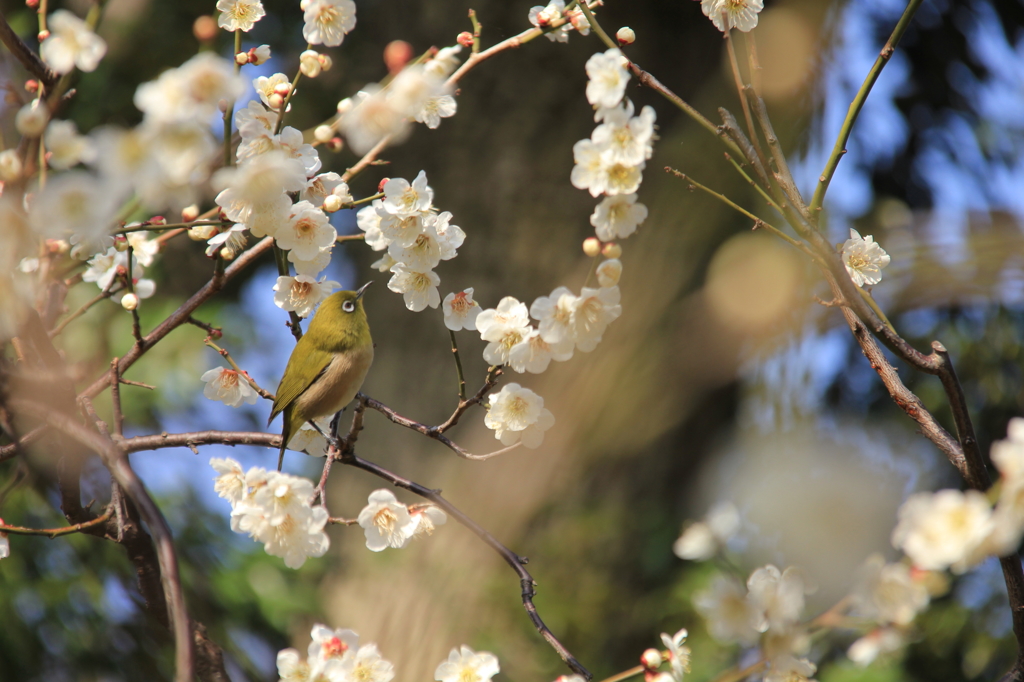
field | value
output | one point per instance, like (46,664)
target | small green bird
(327,366)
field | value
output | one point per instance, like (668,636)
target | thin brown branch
(516,562)
(29,59)
(190,440)
(57,532)
(115,397)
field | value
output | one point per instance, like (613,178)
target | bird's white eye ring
(348,306)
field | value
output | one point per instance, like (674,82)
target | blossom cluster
(334,656)
(416,237)
(544,16)
(768,610)
(419,92)
(273,508)
(958,529)
(110,267)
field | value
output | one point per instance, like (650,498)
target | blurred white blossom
(943,529)
(617,217)
(466,665)
(71,43)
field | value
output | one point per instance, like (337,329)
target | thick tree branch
(29,59)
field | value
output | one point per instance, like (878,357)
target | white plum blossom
(309,64)
(368,219)
(444,62)
(741,14)
(372,116)
(617,217)
(418,287)
(864,259)
(239,15)
(592,311)
(703,539)
(313,266)
(879,641)
(608,78)
(386,522)
(943,529)
(366,665)
(503,327)
(309,440)
(554,316)
(288,141)
(265,87)
(533,354)
(330,645)
(460,310)
(426,519)
(403,198)
(624,138)
(230,482)
(730,616)
(402,230)
(229,387)
(777,595)
(609,272)
(76,203)
(678,653)
(306,231)
(465,665)
(517,414)
(319,186)
(302,293)
(291,668)
(327,21)
(190,93)
(256,192)
(71,43)
(255,120)
(888,593)
(66,147)
(435,108)
(438,241)
(589,169)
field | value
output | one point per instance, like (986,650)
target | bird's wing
(305,362)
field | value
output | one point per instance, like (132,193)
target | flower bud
(609,272)
(591,246)
(323,133)
(282,89)
(189,213)
(276,101)
(258,55)
(335,144)
(309,64)
(227,254)
(32,118)
(396,55)
(58,246)
(650,659)
(205,28)
(10,165)
(32,4)
(325,61)
(611,250)
(465,39)
(32,86)
(625,35)
(332,202)
(121,243)
(157,220)
(43,35)
(380,187)
(345,105)
(200,233)
(129,301)
(242,58)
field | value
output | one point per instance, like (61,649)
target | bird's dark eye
(348,306)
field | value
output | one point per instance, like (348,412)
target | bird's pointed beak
(362,290)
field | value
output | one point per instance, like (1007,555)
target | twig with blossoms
(263,393)
(516,562)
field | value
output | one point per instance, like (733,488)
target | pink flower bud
(335,144)
(396,55)
(465,39)
(205,28)
(43,35)
(380,187)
